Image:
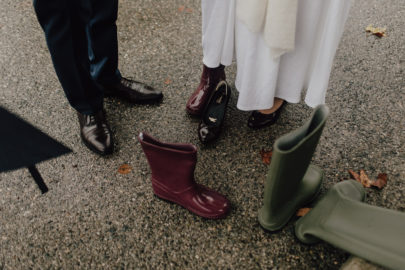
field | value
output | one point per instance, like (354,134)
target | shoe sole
(271,122)
(94,150)
(262,126)
(193,113)
(138,101)
(159,193)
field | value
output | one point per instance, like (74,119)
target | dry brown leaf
(168,81)
(266,156)
(381,181)
(377,31)
(124,169)
(303,211)
(354,175)
(364,180)
(181,8)
(361,178)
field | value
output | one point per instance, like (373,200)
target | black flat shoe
(259,120)
(133,92)
(96,133)
(214,113)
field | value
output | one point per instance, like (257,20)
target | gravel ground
(94,217)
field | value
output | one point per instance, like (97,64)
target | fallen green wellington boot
(343,220)
(291,181)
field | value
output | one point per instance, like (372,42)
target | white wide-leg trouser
(260,78)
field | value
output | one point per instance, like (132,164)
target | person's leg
(103,54)
(294,65)
(320,25)
(103,42)
(64,23)
(66,39)
(218,21)
(218,24)
(276,105)
(256,77)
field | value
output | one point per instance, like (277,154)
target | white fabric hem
(313,104)
(267,105)
(259,77)
(215,64)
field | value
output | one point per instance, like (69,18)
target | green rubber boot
(291,181)
(343,220)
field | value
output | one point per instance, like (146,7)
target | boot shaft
(342,219)
(172,165)
(213,75)
(292,154)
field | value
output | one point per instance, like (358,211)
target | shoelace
(91,120)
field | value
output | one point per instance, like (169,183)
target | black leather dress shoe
(133,91)
(259,120)
(96,133)
(214,113)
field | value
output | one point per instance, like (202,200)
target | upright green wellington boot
(343,220)
(291,181)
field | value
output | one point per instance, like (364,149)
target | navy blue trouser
(82,39)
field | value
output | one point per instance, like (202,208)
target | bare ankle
(276,105)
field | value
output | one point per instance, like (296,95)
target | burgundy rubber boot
(172,167)
(209,79)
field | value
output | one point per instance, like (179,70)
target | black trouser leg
(64,23)
(103,44)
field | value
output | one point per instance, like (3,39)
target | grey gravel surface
(96,218)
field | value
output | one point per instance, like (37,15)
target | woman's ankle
(276,105)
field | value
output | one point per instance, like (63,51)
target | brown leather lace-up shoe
(133,92)
(96,133)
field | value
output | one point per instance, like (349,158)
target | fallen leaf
(181,8)
(303,211)
(381,181)
(364,180)
(361,178)
(189,10)
(168,81)
(354,175)
(377,31)
(266,156)
(124,169)
(367,182)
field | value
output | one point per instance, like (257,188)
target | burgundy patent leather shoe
(209,79)
(96,133)
(133,92)
(172,167)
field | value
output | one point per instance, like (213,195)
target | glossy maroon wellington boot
(172,167)
(209,79)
